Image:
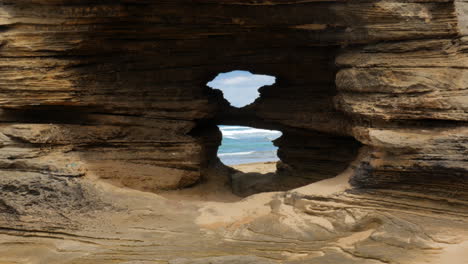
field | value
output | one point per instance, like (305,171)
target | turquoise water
(247,145)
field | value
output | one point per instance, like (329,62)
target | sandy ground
(217,185)
(315,224)
(261,167)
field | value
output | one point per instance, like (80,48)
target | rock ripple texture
(100,100)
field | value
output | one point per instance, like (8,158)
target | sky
(240,88)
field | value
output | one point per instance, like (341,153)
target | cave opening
(243,141)
(247,146)
(240,88)
(244,145)
(259,154)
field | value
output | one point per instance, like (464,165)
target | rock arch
(116,90)
(132,76)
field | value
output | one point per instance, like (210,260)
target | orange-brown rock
(100,100)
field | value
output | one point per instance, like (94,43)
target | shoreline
(260,167)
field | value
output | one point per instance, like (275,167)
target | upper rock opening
(240,88)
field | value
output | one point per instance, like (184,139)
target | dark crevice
(305,156)
(46,114)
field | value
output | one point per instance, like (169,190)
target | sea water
(247,145)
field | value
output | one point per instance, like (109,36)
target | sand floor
(261,167)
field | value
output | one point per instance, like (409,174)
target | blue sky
(240,88)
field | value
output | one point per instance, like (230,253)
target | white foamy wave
(249,131)
(236,153)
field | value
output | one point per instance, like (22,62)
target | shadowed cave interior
(303,156)
(105,107)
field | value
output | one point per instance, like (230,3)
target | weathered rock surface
(98,96)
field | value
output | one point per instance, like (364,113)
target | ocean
(242,145)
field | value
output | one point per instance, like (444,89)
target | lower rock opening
(303,157)
(252,154)
(300,156)
(247,145)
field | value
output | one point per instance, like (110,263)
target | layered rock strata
(116,91)
(133,74)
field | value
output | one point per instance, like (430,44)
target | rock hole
(253,155)
(243,145)
(240,88)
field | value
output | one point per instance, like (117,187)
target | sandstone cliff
(100,100)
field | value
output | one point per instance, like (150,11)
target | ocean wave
(247,144)
(248,157)
(236,153)
(249,131)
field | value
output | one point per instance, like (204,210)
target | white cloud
(234,80)
(240,87)
(249,80)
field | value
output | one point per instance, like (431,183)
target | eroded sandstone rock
(373,91)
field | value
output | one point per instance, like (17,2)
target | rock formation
(101,100)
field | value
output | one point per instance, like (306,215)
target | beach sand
(216,186)
(260,167)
